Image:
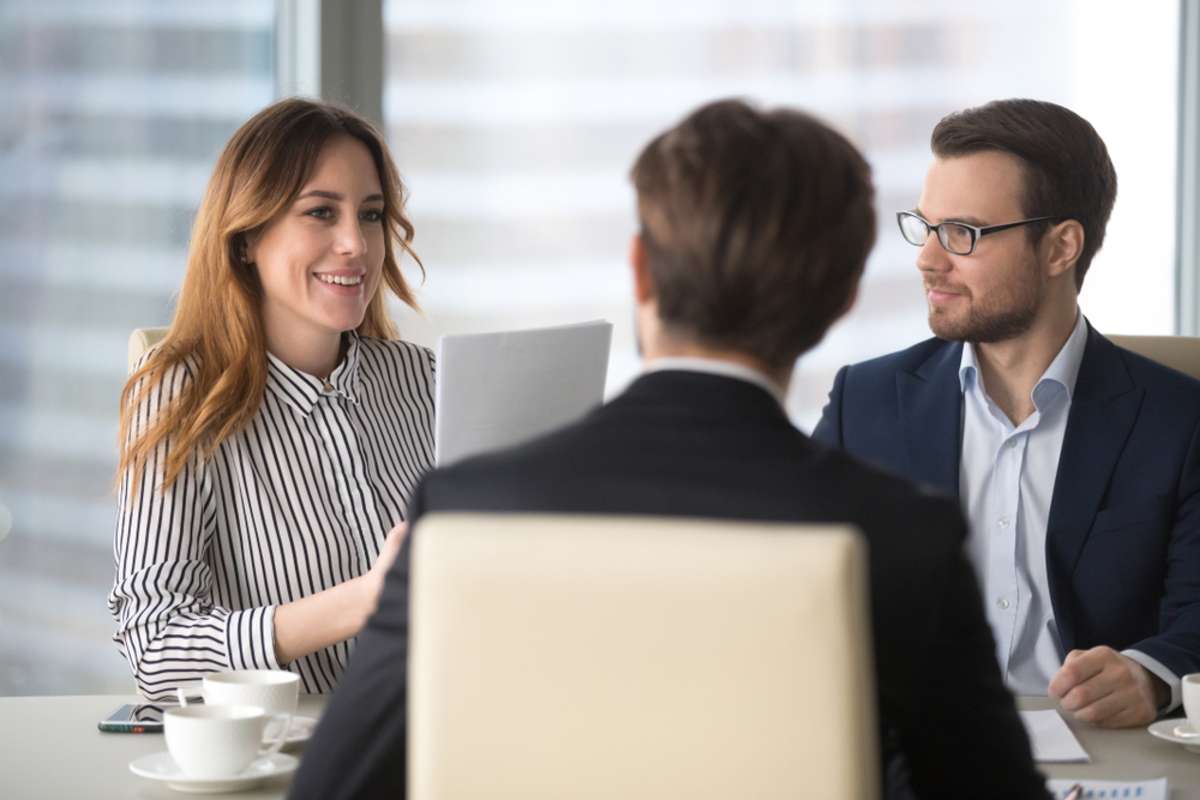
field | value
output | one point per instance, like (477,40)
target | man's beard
(1001,318)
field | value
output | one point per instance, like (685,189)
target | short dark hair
(756,226)
(1068,174)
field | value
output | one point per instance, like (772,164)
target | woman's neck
(314,352)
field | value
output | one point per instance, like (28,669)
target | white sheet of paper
(1052,740)
(1154,789)
(498,389)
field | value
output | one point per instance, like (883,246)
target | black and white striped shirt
(298,501)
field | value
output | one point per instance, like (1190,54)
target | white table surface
(50,748)
(1126,755)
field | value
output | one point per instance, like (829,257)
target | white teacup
(275,690)
(216,741)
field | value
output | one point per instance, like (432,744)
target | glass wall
(114,113)
(515,125)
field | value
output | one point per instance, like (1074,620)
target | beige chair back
(623,657)
(141,340)
(1177,352)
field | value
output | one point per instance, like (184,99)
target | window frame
(1187,199)
(333,51)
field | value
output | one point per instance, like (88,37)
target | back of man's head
(756,227)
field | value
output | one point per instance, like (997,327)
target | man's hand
(1108,689)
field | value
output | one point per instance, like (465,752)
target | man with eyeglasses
(1077,462)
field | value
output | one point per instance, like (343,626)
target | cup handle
(191,689)
(281,740)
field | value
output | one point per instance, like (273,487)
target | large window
(515,125)
(114,113)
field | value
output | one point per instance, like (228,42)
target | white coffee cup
(216,741)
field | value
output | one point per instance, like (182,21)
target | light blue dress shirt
(1006,483)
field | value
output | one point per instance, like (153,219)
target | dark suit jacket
(685,443)
(1123,536)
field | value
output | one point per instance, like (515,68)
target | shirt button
(328,387)
(1002,522)
(1002,602)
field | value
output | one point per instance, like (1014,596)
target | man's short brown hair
(1068,174)
(756,226)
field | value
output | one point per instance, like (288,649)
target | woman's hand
(306,625)
(373,580)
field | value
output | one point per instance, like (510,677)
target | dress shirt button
(1002,522)
(328,387)
(1002,602)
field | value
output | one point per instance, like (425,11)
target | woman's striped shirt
(298,501)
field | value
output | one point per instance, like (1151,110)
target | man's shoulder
(909,359)
(1152,374)
(869,386)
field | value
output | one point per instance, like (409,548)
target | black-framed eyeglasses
(956,237)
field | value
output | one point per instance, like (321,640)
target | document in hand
(499,389)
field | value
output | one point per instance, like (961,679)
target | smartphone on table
(139,717)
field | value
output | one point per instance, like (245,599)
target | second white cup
(275,690)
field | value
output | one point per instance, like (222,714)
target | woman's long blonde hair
(217,332)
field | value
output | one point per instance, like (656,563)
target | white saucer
(161,767)
(1165,729)
(299,731)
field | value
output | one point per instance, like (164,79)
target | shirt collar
(713,366)
(1063,370)
(303,391)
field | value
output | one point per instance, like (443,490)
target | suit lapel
(1104,408)
(930,403)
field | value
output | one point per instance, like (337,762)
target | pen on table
(1075,792)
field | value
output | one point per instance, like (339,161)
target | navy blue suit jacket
(1123,536)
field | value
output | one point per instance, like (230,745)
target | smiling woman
(274,437)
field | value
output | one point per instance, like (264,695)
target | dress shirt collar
(1063,370)
(714,366)
(302,391)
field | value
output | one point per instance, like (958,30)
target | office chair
(1177,352)
(141,340)
(590,656)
